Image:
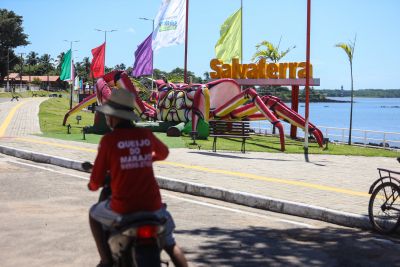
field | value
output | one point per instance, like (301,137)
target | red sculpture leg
(284,112)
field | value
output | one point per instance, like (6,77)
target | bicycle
(384,203)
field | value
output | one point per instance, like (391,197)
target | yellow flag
(229,44)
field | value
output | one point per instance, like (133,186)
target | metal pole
(20,73)
(71,86)
(351,104)
(105,45)
(8,67)
(152,62)
(307,78)
(186,41)
(29,83)
(241,31)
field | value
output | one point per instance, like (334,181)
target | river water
(374,114)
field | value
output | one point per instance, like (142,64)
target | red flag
(97,66)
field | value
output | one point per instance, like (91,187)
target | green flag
(66,67)
(229,44)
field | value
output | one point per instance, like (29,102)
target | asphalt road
(43,217)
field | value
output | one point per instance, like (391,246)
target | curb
(231,196)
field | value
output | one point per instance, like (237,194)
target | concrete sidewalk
(324,188)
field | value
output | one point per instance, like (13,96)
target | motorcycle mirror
(87,166)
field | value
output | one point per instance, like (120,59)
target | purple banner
(143,59)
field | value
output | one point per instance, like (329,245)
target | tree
(270,52)
(120,67)
(206,76)
(32,58)
(59,62)
(349,50)
(45,64)
(86,65)
(11,36)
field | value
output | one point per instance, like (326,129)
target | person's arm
(160,150)
(100,167)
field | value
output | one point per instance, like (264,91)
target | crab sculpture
(220,99)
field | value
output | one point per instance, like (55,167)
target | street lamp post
(20,72)
(105,40)
(152,54)
(8,69)
(71,87)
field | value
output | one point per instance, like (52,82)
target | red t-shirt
(128,154)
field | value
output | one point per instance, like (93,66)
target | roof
(45,78)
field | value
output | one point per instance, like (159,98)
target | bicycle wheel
(384,208)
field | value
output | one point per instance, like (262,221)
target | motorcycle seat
(137,220)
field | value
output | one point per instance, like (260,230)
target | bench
(229,129)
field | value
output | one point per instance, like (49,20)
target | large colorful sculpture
(220,99)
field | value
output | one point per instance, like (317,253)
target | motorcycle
(134,241)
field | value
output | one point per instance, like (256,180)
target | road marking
(267,179)
(9,117)
(239,211)
(230,173)
(181,198)
(48,169)
(31,140)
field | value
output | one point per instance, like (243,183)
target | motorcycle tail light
(147,231)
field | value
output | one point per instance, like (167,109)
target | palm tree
(86,65)
(270,52)
(32,58)
(59,60)
(349,50)
(46,60)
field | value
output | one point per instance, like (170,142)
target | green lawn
(53,110)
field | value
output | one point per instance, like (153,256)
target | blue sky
(376,23)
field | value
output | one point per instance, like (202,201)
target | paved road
(3,99)
(43,217)
(20,118)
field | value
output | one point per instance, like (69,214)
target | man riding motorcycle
(127,154)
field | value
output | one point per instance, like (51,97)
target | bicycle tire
(379,212)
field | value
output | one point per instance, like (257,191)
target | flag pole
(241,31)
(105,46)
(307,89)
(71,89)
(186,41)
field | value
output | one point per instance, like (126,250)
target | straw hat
(119,105)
